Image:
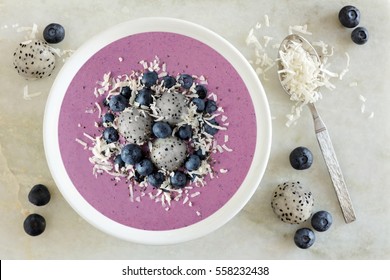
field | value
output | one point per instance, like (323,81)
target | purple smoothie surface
(181,54)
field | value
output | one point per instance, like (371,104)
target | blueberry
(210,129)
(199,103)
(126,92)
(156,179)
(34,224)
(185,132)
(144,97)
(211,106)
(131,154)
(108,118)
(106,102)
(179,179)
(39,195)
(149,79)
(359,35)
(321,221)
(119,161)
(201,91)
(161,129)
(185,81)
(301,158)
(349,16)
(201,154)
(54,33)
(192,163)
(118,103)
(145,167)
(169,81)
(110,134)
(304,238)
(138,177)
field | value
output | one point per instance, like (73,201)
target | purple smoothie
(181,54)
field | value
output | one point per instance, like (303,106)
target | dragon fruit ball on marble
(134,125)
(292,202)
(172,106)
(34,59)
(168,153)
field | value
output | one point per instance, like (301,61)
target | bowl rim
(254,174)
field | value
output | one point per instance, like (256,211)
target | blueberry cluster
(143,98)
(301,158)
(349,16)
(35,224)
(320,221)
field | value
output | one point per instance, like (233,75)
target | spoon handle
(333,166)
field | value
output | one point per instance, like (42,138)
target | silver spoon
(323,137)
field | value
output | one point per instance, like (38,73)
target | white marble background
(362,143)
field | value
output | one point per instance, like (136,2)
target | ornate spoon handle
(333,166)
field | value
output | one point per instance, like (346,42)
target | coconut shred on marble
(170,121)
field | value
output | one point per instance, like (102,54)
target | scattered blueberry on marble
(156,179)
(185,132)
(169,81)
(145,167)
(34,224)
(185,81)
(201,91)
(110,134)
(39,195)
(193,162)
(304,238)
(149,79)
(131,154)
(349,16)
(126,92)
(301,158)
(161,129)
(108,118)
(199,103)
(144,97)
(118,103)
(179,179)
(211,106)
(359,35)
(54,33)
(321,221)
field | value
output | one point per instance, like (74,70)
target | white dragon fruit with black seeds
(34,59)
(172,106)
(134,125)
(169,153)
(292,203)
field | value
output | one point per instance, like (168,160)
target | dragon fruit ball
(34,59)
(168,153)
(134,125)
(172,106)
(292,202)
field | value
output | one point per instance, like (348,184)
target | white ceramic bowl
(261,135)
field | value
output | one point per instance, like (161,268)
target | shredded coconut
(263,62)
(29,96)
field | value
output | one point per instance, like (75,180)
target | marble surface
(361,142)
